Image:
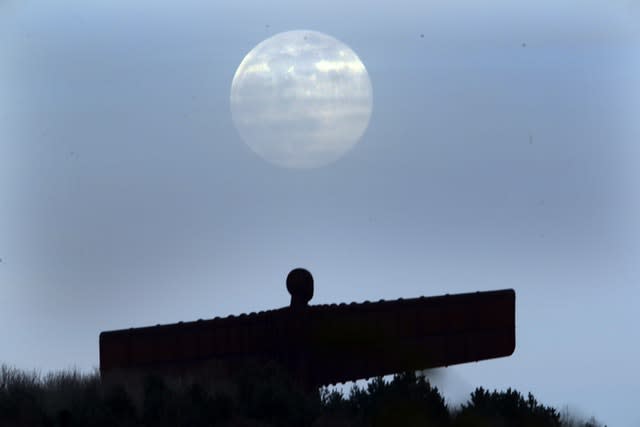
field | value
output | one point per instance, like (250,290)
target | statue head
(300,286)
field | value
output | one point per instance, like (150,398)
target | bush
(507,408)
(405,400)
(258,396)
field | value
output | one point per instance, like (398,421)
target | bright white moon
(301,99)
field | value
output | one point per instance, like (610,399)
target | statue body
(325,344)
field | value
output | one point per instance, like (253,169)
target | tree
(506,408)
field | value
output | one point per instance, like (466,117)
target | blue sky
(127,198)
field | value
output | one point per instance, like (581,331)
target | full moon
(301,99)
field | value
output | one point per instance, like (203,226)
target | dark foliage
(507,408)
(406,401)
(259,396)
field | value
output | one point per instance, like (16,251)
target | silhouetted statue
(300,286)
(326,344)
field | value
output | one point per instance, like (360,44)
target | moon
(301,99)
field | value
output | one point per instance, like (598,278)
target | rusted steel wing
(325,344)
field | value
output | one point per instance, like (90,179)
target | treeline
(256,398)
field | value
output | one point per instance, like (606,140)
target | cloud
(325,66)
(261,67)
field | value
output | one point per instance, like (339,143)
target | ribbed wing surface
(328,344)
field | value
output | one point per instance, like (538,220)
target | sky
(501,152)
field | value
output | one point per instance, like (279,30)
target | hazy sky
(502,152)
